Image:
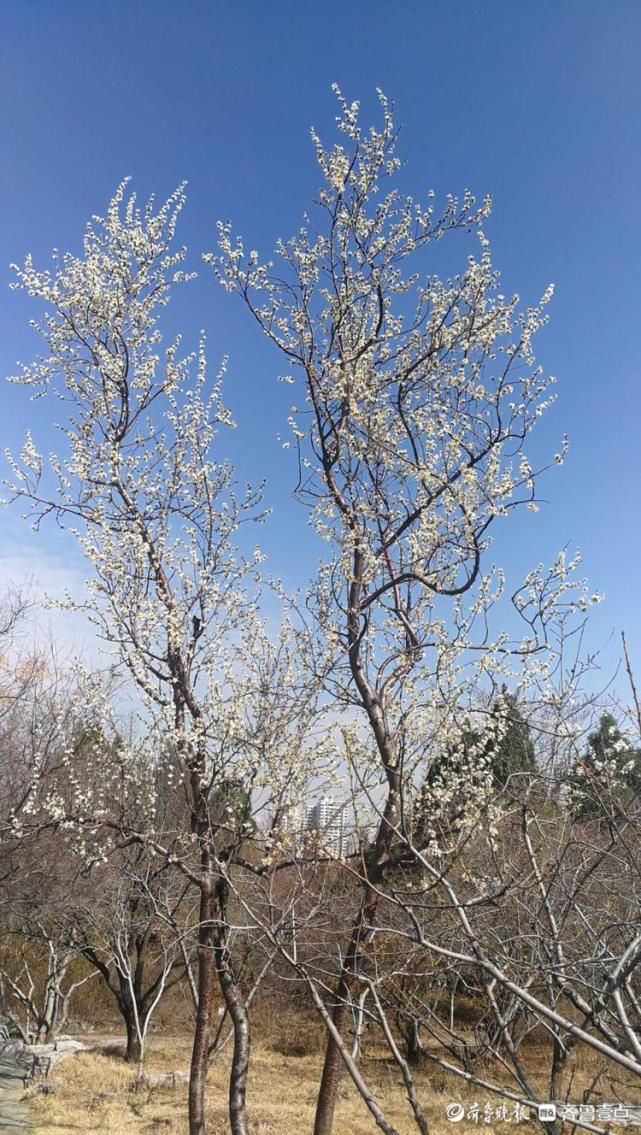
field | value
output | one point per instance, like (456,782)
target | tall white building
(326,818)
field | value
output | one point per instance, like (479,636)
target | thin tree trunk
(217,1045)
(351,1065)
(206,980)
(413,1046)
(339,1007)
(328,1091)
(413,1099)
(359,1025)
(559,1059)
(452,992)
(237,1009)
(363,926)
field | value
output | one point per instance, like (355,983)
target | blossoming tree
(418,395)
(156,512)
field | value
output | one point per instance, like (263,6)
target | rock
(160,1080)
(67,1045)
(11,1049)
(41,1058)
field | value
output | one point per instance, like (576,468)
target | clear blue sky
(537,103)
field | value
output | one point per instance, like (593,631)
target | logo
(455,1112)
(547,1112)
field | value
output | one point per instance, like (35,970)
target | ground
(93,1093)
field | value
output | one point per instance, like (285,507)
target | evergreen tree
(609,765)
(513,755)
(459,772)
(508,745)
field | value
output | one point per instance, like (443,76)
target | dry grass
(93,1093)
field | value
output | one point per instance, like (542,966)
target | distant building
(331,824)
(326,818)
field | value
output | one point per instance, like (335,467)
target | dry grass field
(95,1096)
(93,1093)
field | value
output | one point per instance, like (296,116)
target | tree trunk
(560,1052)
(359,1025)
(328,1090)
(240,1060)
(206,979)
(340,1009)
(352,1067)
(238,1012)
(132,1055)
(413,1047)
(47,1026)
(363,925)
(358,945)
(128,1012)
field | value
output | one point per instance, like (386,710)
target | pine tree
(609,768)
(513,755)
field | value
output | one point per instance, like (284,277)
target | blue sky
(537,103)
